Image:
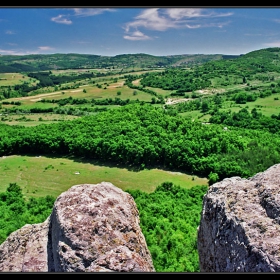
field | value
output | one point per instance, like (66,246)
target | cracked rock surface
(239,229)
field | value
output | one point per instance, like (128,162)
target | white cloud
(25,52)
(82,42)
(180,13)
(207,25)
(61,19)
(193,26)
(8,52)
(163,19)
(136,36)
(183,13)
(10,32)
(80,12)
(45,48)
(86,12)
(150,19)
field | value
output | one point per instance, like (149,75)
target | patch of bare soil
(37,97)
(115,85)
(77,90)
(171,101)
(136,82)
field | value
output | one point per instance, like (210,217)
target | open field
(11,79)
(108,89)
(35,119)
(135,70)
(39,176)
(196,115)
(267,106)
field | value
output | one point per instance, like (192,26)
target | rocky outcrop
(239,229)
(92,228)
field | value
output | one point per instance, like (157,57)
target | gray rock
(239,229)
(92,228)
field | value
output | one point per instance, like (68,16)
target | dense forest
(169,217)
(145,136)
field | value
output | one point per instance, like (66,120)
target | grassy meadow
(39,176)
(12,79)
(267,106)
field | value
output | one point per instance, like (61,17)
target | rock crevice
(92,228)
(239,229)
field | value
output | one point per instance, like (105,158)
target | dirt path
(37,97)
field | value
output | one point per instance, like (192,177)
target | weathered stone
(239,228)
(26,249)
(92,228)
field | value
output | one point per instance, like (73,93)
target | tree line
(142,135)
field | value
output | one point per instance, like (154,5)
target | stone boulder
(92,228)
(239,229)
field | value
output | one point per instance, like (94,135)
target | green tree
(213,178)
(204,106)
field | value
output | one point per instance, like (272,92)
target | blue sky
(159,31)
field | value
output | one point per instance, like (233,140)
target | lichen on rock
(92,228)
(239,229)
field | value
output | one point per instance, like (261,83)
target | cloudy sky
(158,31)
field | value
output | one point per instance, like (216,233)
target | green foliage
(216,73)
(180,80)
(244,119)
(169,218)
(48,79)
(213,178)
(15,211)
(38,62)
(144,135)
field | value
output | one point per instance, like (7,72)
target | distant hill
(42,62)
(45,62)
(259,61)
